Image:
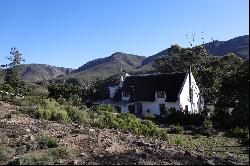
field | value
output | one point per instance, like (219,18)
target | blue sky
(69,33)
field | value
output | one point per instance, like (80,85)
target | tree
(234,92)
(12,78)
(208,70)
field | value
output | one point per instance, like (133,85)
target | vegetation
(6,153)
(240,133)
(222,80)
(45,141)
(176,129)
(43,159)
(209,71)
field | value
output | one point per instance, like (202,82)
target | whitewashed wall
(184,95)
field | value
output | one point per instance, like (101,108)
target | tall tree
(12,78)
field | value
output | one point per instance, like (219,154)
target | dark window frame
(160,94)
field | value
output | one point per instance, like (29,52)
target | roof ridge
(157,74)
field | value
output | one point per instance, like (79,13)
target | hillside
(104,67)
(39,72)
(238,46)
(29,141)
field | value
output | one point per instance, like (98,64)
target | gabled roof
(144,87)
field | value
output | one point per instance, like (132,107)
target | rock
(31,137)
(231,157)
(101,156)
(60,161)
(141,143)
(8,116)
(82,154)
(27,130)
(145,155)
(91,130)
(148,150)
(31,146)
(74,162)
(188,153)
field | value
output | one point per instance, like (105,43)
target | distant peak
(117,53)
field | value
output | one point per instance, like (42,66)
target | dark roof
(144,87)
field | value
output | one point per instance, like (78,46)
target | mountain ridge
(119,62)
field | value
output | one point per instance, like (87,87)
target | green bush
(129,122)
(45,141)
(33,160)
(208,124)
(30,110)
(176,129)
(149,117)
(79,116)
(6,153)
(240,133)
(59,153)
(179,141)
(51,110)
(104,108)
(29,101)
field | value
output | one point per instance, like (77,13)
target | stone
(60,161)
(188,153)
(74,162)
(101,156)
(82,154)
(231,157)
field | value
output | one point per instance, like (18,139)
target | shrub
(29,101)
(52,110)
(207,124)
(176,129)
(240,133)
(179,141)
(149,117)
(182,118)
(129,122)
(78,116)
(104,108)
(33,160)
(6,153)
(30,110)
(60,152)
(45,141)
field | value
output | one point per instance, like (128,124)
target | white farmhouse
(156,93)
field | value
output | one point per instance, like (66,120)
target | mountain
(117,59)
(104,67)
(39,72)
(238,46)
(119,62)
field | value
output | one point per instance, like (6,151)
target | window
(125,94)
(160,94)
(163,110)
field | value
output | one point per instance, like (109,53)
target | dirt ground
(93,146)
